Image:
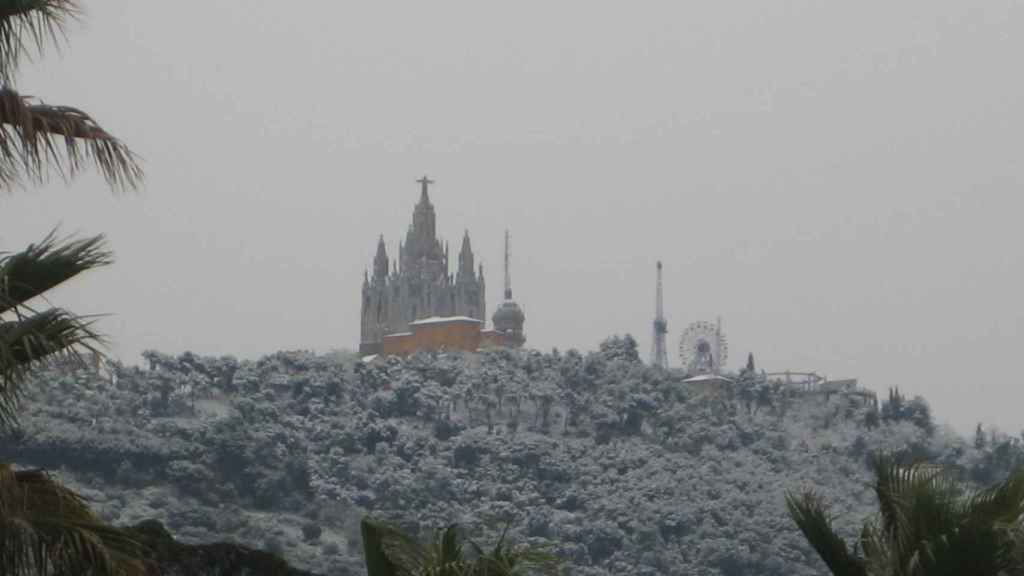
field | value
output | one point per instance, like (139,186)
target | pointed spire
(422,237)
(424,195)
(380,261)
(465,259)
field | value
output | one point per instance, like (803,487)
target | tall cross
(425,182)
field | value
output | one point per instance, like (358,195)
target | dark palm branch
(927,524)
(811,517)
(917,506)
(390,552)
(46,264)
(47,529)
(26,24)
(443,555)
(505,560)
(35,137)
(33,338)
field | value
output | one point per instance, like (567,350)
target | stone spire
(421,241)
(424,196)
(424,221)
(380,261)
(465,271)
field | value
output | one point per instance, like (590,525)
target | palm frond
(931,527)
(1002,504)
(37,137)
(988,537)
(34,338)
(927,524)
(26,24)
(44,265)
(812,518)
(388,551)
(444,554)
(47,529)
(509,561)
(874,547)
(506,560)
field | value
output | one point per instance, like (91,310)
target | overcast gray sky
(840,181)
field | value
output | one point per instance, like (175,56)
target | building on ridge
(416,303)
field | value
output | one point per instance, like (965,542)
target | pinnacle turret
(380,261)
(465,271)
(424,195)
(421,241)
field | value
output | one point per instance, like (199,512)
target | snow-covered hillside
(620,467)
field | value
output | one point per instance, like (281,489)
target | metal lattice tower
(659,353)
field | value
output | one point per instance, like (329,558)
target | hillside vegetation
(622,468)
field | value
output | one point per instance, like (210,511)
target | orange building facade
(438,334)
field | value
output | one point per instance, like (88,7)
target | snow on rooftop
(443,319)
(708,378)
(369,358)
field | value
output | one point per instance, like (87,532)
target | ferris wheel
(703,348)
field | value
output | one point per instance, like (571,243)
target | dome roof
(509,316)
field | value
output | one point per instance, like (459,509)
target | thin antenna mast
(659,353)
(508,273)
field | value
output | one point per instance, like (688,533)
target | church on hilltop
(417,304)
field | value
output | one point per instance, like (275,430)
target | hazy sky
(840,181)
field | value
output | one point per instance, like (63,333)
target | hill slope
(623,468)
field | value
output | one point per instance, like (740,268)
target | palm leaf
(1001,504)
(444,554)
(28,24)
(991,526)
(874,546)
(36,136)
(32,339)
(812,518)
(388,551)
(926,525)
(506,560)
(47,529)
(45,265)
